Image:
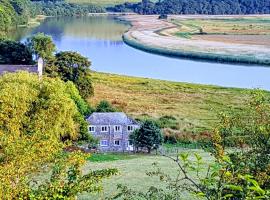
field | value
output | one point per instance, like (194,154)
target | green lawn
(133,171)
(110,157)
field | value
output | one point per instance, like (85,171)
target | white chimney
(40,67)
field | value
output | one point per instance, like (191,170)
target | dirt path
(145,32)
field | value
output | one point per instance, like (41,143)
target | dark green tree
(148,136)
(71,66)
(12,52)
(105,106)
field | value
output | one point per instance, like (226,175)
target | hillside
(195,107)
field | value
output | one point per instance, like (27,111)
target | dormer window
(92,129)
(117,128)
(130,128)
(104,128)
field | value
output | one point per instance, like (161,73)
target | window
(130,128)
(91,129)
(116,142)
(117,128)
(104,128)
(130,143)
(104,143)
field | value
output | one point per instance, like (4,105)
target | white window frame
(102,145)
(107,129)
(92,131)
(116,144)
(133,128)
(120,128)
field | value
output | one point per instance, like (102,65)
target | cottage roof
(14,68)
(110,118)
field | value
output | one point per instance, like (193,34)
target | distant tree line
(210,7)
(18,12)
(13,12)
(61,8)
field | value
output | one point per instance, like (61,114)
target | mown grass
(107,157)
(193,107)
(102,2)
(133,173)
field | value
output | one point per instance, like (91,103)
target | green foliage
(71,66)
(34,117)
(105,106)
(22,8)
(61,8)
(235,175)
(67,181)
(7,16)
(148,136)
(210,7)
(249,128)
(82,105)
(12,52)
(42,46)
(12,13)
(168,122)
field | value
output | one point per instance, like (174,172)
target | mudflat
(245,38)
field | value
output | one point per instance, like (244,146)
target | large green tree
(37,119)
(148,136)
(71,66)
(42,46)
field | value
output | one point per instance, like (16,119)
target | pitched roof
(14,68)
(110,118)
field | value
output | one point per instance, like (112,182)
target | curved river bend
(100,39)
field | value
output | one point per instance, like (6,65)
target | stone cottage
(113,130)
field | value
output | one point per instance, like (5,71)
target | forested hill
(12,12)
(210,7)
(18,12)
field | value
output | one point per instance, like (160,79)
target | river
(100,39)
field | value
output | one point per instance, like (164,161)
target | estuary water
(100,39)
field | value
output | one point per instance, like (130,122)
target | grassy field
(195,107)
(133,172)
(102,2)
(226,30)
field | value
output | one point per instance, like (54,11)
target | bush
(105,106)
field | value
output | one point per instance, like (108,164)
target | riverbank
(150,34)
(195,107)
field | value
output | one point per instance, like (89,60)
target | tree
(37,120)
(148,136)
(71,66)
(12,52)
(42,46)
(105,106)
